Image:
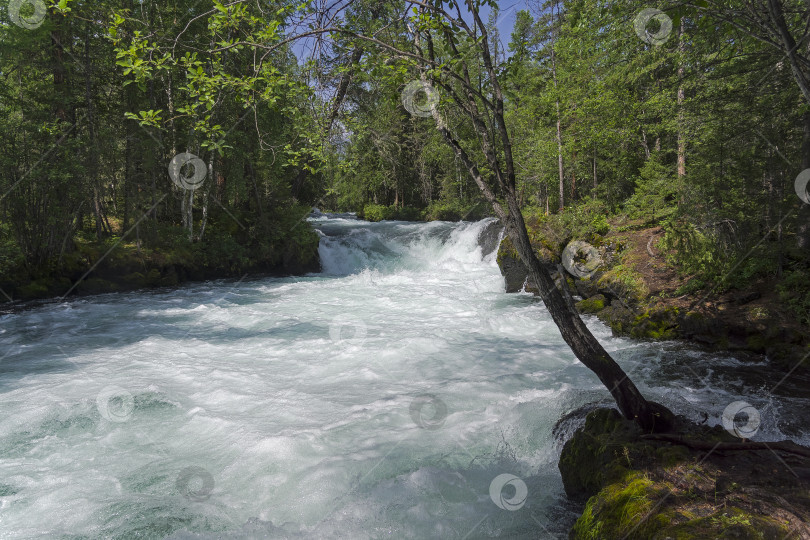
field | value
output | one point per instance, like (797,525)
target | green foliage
(379,212)
(655,192)
(375,212)
(692,251)
(794,291)
(691,286)
(456,210)
(585,221)
(11,256)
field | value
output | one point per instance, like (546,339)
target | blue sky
(505,22)
(506,17)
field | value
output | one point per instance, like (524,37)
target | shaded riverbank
(123,264)
(635,292)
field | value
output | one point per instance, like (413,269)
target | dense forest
(692,119)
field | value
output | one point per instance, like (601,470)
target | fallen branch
(784,446)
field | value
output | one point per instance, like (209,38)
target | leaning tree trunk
(803,225)
(649,415)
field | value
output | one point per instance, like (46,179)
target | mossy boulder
(515,272)
(638,488)
(588,286)
(618,316)
(587,461)
(656,323)
(593,304)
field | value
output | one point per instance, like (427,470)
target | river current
(385,397)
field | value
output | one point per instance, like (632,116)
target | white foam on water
(284,408)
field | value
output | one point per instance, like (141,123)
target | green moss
(757,343)
(628,482)
(593,304)
(597,454)
(626,281)
(730,522)
(620,510)
(636,507)
(670,456)
(656,324)
(506,250)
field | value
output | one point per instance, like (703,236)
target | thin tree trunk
(803,221)
(127,177)
(205,197)
(574,172)
(557,104)
(644,144)
(789,47)
(681,95)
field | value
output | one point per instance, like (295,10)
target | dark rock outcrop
(490,237)
(641,488)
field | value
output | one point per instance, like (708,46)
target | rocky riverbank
(633,291)
(116,266)
(697,482)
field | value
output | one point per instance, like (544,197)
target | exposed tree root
(782,446)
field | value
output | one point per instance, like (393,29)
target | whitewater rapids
(379,398)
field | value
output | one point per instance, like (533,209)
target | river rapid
(381,398)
